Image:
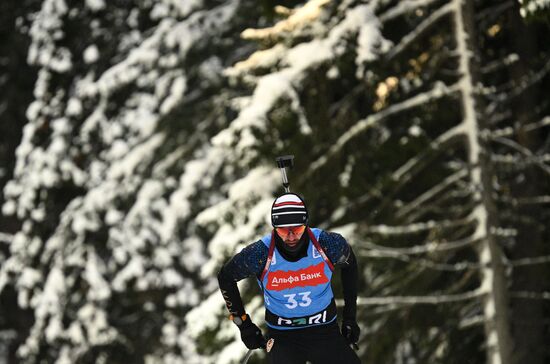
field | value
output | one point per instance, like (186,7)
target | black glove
(350,332)
(251,335)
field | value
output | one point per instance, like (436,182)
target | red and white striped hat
(288,210)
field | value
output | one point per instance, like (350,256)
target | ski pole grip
(283,162)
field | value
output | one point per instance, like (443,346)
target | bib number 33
(303,300)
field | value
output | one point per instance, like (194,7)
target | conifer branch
(509,131)
(388,230)
(520,148)
(426,263)
(529,261)
(404,7)
(500,63)
(438,91)
(520,161)
(6,238)
(405,172)
(423,27)
(494,11)
(531,295)
(471,321)
(429,194)
(430,247)
(513,89)
(417,300)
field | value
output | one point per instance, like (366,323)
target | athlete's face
(291,235)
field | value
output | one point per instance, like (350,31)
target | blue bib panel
(298,294)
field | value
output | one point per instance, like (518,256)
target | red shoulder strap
(319,248)
(313,240)
(269,255)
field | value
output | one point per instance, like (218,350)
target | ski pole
(268,344)
(283,162)
(247,356)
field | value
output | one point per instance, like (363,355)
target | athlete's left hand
(351,332)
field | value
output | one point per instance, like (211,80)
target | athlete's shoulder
(250,261)
(335,246)
(258,248)
(254,256)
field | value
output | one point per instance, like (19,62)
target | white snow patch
(203,317)
(96,325)
(193,256)
(176,94)
(415,131)
(134,269)
(29,278)
(91,54)
(99,288)
(95,5)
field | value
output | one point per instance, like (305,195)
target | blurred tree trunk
(493,279)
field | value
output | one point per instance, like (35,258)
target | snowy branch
(523,150)
(494,11)
(514,217)
(438,91)
(517,162)
(424,26)
(539,124)
(416,227)
(500,63)
(471,321)
(512,89)
(531,295)
(6,336)
(416,300)
(451,202)
(509,131)
(498,117)
(430,247)
(529,261)
(426,196)
(296,63)
(6,238)
(455,267)
(426,263)
(529,80)
(538,200)
(404,7)
(404,173)
(298,19)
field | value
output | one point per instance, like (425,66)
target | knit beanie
(288,210)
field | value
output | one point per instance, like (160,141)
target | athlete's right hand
(251,335)
(351,332)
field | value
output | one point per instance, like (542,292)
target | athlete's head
(289,218)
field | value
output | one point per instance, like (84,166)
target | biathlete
(294,266)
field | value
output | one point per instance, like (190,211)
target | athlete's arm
(249,262)
(341,255)
(349,286)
